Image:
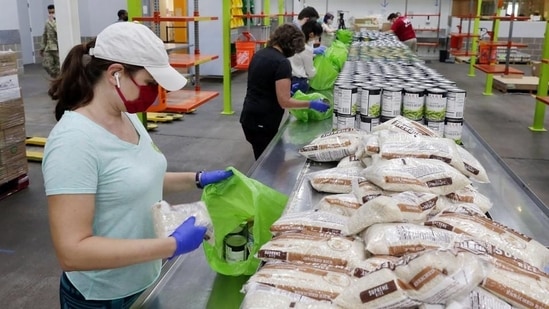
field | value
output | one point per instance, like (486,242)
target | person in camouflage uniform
(49,50)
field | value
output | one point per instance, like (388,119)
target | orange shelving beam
(189,60)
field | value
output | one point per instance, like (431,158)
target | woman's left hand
(205,178)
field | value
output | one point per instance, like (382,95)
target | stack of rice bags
(399,225)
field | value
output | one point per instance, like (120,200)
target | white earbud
(117,77)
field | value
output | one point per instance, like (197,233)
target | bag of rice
(402,124)
(299,248)
(411,174)
(334,146)
(375,263)
(479,298)
(471,195)
(402,145)
(494,233)
(341,204)
(167,218)
(306,280)
(335,180)
(379,289)
(401,238)
(314,221)
(412,207)
(471,167)
(365,191)
(261,296)
(371,145)
(351,161)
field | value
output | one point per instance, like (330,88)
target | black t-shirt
(261,106)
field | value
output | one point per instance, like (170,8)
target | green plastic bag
(345,36)
(307,114)
(326,74)
(234,201)
(337,53)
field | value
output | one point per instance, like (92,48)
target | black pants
(259,137)
(71,298)
(302,84)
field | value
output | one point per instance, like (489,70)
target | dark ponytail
(80,72)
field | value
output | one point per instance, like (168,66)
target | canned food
(453,129)
(370,101)
(391,101)
(413,103)
(455,103)
(345,121)
(435,104)
(368,123)
(347,100)
(436,126)
(235,248)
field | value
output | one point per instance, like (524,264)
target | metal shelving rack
(437,30)
(184,101)
(542,99)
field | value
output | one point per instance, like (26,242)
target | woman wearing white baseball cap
(102,171)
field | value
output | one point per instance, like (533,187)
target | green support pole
(281,10)
(267,11)
(135,9)
(539,112)
(474,46)
(226,28)
(490,76)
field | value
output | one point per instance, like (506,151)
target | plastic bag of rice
(365,190)
(371,145)
(471,167)
(412,207)
(334,146)
(313,221)
(261,296)
(341,204)
(335,180)
(321,251)
(379,289)
(444,204)
(306,280)
(494,233)
(167,218)
(402,124)
(479,298)
(470,194)
(401,238)
(402,145)
(351,161)
(514,280)
(411,174)
(439,276)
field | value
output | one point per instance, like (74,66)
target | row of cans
(450,127)
(412,101)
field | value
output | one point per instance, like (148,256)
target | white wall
(95,15)
(8,15)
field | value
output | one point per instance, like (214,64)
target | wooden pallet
(14,186)
(463,59)
(527,84)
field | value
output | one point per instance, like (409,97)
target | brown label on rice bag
(429,204)
(439,182)
(272,254)
(372,149)
(445,226)
(409,208)
(425,276)
(471,169)
(403,180)
(443,159)
(316,259)
(342,203)
(332,181)
(487,223)
(507,292)
(461,198)
(315,294)
(403,249)
(369,197)
(378,291)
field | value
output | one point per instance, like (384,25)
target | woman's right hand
(188,236)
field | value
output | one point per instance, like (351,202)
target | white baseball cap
(135,44)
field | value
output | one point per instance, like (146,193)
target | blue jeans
(71,298)
(300,83)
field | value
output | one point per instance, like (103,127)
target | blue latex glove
(319,106)
(188,236)
(294,89)
(205,178)
(319,50)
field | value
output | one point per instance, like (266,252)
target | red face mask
(146,98)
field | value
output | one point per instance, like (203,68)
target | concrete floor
(29,272)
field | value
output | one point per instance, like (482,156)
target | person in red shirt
(402,28)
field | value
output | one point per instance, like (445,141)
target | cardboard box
(12,135)
(8,62)
(11,153)
(12,113)
(386,26)
(463,7)
(13,169)
(8,82)
(10,94)
(536,68)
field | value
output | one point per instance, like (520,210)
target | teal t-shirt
(81,157)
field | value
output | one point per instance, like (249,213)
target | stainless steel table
(188,282)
